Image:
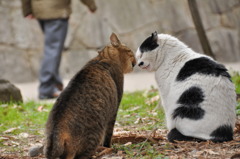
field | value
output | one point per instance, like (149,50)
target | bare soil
(16,146)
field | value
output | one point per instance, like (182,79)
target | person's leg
(41,23)
(55,33)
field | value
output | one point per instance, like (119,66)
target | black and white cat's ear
(114,40)
(155,36)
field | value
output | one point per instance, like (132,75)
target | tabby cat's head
(119,53)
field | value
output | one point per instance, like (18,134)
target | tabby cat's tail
(54,147)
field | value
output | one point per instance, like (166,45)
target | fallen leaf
(139,120)
(120,153)
(211,152)
(124,137)
(134,108)
(128,143)
(7,144)
(23,135)
(153,99)
(4,105)
(40,108)
(154,113)
(15,143)
(10,130)
(112,157)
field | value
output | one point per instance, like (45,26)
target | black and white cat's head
(146,53)
(157,47)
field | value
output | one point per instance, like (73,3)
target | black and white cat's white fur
(197,94)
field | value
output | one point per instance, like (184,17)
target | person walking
(53,17)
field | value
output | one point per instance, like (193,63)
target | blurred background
(21,40)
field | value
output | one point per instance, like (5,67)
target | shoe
(52,96)
(59,86)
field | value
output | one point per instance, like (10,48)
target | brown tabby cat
(83,116)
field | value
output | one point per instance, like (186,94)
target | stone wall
(21,40)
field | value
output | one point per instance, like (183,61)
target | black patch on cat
(192,96)
(222,133)
(190,104)
(174,134)
(187,112)
(202,65)
(149,44)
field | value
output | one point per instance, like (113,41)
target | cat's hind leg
(174,134)
(69,152)
(67,156)
(109,133)
(85,155)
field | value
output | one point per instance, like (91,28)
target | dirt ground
(15,147)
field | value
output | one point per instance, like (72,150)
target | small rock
(35,150)
(9,92)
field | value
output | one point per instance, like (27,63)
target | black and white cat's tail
(175,135)
(221,134)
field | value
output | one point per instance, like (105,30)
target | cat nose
(141,63)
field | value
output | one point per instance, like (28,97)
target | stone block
(210,20)
(15,65)
(11,4)
(9,92)
(25,30)
(6,26)
(221,6)
(225,44)
(21,40)
(74,60)
(190,37)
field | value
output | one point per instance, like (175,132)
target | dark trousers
(55,34)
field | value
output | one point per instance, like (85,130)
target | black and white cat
(197,94)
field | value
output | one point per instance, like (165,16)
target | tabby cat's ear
(155,36)
(114,40)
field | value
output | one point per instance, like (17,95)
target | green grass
(24,117)
(136,108)
(137,112)
(236,81)
(143,150)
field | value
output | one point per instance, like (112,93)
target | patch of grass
(236,81)
(21,125)
(144,150)
(238,108)
(24,117)
(140,109)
